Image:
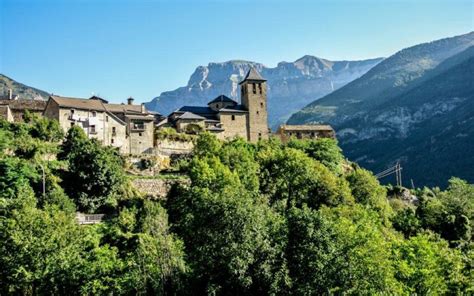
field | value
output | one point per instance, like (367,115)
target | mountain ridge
(388,114)
(22,90)
(291,85)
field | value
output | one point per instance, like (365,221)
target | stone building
(227,118)
(17,107)
(128,127)
(307,131)
(6,113)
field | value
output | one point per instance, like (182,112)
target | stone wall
(234,124)
(157,188)
(168,147)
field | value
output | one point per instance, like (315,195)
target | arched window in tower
(260,88)
(254,88)
(261,104)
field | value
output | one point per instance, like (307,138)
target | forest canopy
(255,219)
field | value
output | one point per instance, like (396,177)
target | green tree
(427,266)
(367,191)
(449,213)
(339,250)
(290,176)
(233,241)
(95,175)
(324,150)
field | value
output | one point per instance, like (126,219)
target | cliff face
(291,85)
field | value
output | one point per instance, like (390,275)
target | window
(254,88)
(106,118)
(258,112)
(140,134)
(114,131)
(138,125)
(260,87)
(233,117)
(217,106)
(92,129)
(261,104)
(94,114)
(72,111)
(259,136)
(72,124)
(111,141)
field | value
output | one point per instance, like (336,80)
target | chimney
(130,101)
(10,94)
(143,108)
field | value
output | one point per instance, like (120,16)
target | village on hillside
(133,129)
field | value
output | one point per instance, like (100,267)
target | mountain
(416,107)
(23,91)
(291,86)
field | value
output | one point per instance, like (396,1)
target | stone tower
(254,98)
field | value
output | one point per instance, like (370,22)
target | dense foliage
(256,219)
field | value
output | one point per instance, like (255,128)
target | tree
(426,265)
(95,174)
(290,176)
(339,250)
(324,150)
(449,213)
(367,191)
(233,241)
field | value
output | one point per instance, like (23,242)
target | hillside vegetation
(414,107)
(256,219)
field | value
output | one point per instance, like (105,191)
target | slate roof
(222,98)
(236,109)
(191,116)
(252,75)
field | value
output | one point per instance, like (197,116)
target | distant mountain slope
(23,91)
(416,107)
(291,86)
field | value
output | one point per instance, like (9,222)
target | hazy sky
(140,48)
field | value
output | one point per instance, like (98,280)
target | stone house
(17,107)
(128,127)
(227,118)
(307,131)
(6,113)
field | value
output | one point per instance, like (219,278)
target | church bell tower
(254,98)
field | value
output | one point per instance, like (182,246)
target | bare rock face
(291,85)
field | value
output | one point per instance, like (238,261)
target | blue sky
(140,48)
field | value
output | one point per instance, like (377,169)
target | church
(227,118)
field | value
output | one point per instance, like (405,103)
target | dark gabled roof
(196,109)
(235,109)
(222,99)
(252,75)
(191,116)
